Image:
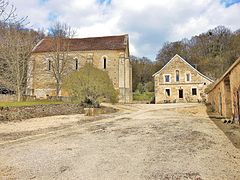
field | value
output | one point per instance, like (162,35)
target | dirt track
(174,141)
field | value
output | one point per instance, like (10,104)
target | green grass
(146,96)
(29,103)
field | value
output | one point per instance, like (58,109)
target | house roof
(225,74)
(85,44)
(185,63)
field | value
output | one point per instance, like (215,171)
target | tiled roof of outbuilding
(86,44)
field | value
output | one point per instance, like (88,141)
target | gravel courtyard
(171,141)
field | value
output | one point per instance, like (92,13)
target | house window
(188,77)
(194,91)
(167,78)
(177,75)
(104,63)
(76,63)
(167,92)
(49,65)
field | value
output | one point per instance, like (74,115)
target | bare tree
(15,50)
(60,35)
(8,14)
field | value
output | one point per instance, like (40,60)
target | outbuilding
(224,95)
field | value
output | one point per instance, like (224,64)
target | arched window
(188,77)
(49,64)
(104,63)
(76,63)
(177,75)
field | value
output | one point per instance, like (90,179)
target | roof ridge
(90,37)
(123,35)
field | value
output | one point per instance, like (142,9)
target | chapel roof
(119,42)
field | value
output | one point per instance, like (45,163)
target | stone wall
(220,100)
(20,113)
(12,98)
(42,82)
(7,98)
(235,91)
(196,81)
(224,96)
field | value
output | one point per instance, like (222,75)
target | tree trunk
(58,88)
(18,94)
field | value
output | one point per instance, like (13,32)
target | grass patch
(146,96)
(29,103)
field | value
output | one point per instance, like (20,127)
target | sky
(149,23)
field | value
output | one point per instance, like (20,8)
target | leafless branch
(60,34)
(8,15)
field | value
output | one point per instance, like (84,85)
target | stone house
(109,53)
(178,81)
(224,95)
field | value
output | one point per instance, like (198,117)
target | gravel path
(172,141)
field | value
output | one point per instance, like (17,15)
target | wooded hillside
(212,53)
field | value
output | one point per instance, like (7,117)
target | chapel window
(104,63)
(49,65)
(76,63)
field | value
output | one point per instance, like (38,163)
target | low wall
(12,98)
(7,98)
(19,113)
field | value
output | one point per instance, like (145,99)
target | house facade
(109,53)
(224,95)
(178,81)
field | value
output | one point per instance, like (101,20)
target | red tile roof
(85,44)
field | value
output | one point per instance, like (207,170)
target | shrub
(90,86)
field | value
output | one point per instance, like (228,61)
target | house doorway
(180,93)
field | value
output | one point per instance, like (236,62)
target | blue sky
(228,3)
(104,1)
(149,23)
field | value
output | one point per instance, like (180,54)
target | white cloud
(149,23)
